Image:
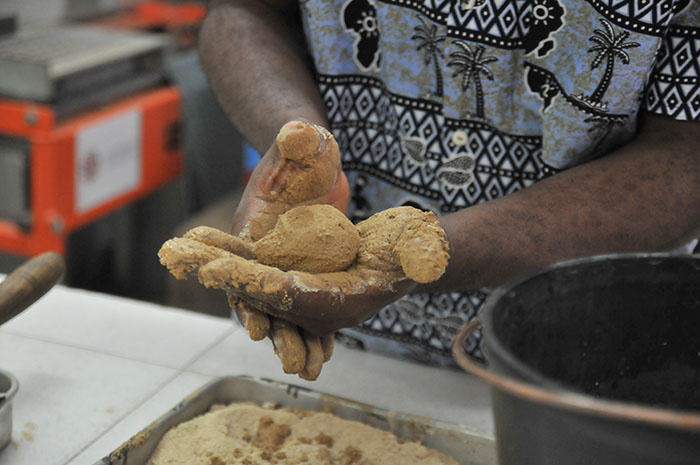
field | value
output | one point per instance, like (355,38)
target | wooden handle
(29,282)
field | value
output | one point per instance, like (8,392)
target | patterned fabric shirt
(443,104)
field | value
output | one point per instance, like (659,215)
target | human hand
(320,302)
(396,249)
(301,167)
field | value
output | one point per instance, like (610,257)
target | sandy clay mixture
(248,434)
(314,240)
(294,231)
(317,239)
(295,239)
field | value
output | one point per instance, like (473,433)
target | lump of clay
(404,238)
(307,171)
(312,238)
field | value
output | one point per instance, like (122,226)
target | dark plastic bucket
(595,361)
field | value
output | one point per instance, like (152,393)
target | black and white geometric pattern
(435,10)
(650,17)
(675,86)
(355,105)
(497,23)
(503,163)
(429,320)
(499,99)
(507,25)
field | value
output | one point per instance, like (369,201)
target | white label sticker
(107,160)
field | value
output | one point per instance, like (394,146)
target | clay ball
(313,238)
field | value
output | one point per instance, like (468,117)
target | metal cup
(8,385)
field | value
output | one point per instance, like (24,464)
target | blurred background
(111,143)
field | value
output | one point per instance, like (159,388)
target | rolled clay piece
(419,247)
(312,238)
(422,249)
(216,238)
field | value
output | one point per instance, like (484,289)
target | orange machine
(59,178)
(181,20)
(74,166)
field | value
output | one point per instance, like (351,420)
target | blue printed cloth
(445,104)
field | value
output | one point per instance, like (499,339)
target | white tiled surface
(95,369)
(448,395)
(68,394)
(122,327)
(141,416)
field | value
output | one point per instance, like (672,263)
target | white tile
(238,355)
(143,415)
(118,326)
(69,396)
(444,394)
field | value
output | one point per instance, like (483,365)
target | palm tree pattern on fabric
(608,46)
(472,64)
(360,18)
(430,42)
(520,90)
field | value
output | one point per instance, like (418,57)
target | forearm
(643,197)
(256,63)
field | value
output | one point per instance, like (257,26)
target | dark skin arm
(642,197)
(256,63)
(277,86)
(645,196)
(262,38)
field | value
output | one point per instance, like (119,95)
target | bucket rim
(551,392)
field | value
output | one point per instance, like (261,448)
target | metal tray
(466,447)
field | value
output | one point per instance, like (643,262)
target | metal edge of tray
(467,447)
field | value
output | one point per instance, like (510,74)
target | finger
(299,141)
(315,159)
(256,323)
(422,249)
(323,312)
(339,196)
(302,166)
(314,357)
(265,219)
(327,343)
(184,257)
(216,238)
(289,346)
(256,196)
(297,296)
(352,281)
(262,282)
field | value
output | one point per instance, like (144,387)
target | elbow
(213,32)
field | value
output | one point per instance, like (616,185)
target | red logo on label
(89,168)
